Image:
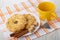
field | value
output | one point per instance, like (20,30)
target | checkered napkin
(25,7)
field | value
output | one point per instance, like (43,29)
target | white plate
(33,14)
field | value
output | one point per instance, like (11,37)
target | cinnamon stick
(19,34)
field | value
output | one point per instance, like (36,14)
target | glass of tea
(47,11)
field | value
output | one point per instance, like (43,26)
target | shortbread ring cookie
(16,23)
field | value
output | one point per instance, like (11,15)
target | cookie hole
(15,22)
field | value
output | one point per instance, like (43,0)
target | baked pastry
(21,24)
(16,23)
(31,22)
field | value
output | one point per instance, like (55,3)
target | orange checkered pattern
(25,7)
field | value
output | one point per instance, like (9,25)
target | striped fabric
(24,7)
